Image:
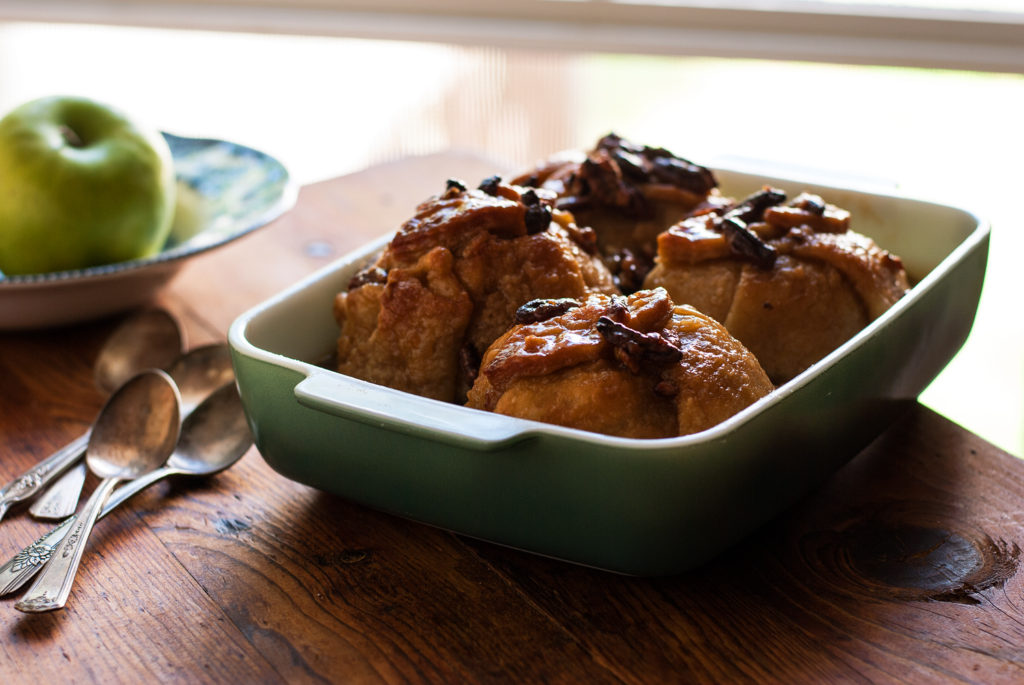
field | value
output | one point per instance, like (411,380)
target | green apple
(81,184)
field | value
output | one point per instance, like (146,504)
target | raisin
(630,270)
(453,187)
(538,216)
(539,310)
(373,274)
(635,349)
(490,185)
(752,208)
(744,243)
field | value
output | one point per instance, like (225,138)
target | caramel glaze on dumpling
(628,194)
(450,281)
(637,367)
(790,280)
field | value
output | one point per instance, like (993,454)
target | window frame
(785,29)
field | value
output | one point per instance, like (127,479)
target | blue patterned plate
(225,190)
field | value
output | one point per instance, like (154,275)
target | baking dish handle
(409,414)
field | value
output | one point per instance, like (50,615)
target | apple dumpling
(450,281)
(636,366)
(628,194)
(790,280)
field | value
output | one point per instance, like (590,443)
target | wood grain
(904,567)
(854,584)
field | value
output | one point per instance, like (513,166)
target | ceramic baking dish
(643,507)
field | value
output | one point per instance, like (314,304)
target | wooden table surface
(903,567)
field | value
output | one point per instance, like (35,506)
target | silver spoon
(150,339)
(197,373)
(133,435)
(213,438)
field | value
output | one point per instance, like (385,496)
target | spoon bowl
(214,436)
(199,372)
(137,429)
(151,339)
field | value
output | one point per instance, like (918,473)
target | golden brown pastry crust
(636,366)
(813,285)
(628,194)
(402,333)
(450,281)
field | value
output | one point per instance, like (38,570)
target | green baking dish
(642,507)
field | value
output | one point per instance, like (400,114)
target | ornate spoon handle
(61,499)
(23,565)
(20,568)
(52,588)
(32,481)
